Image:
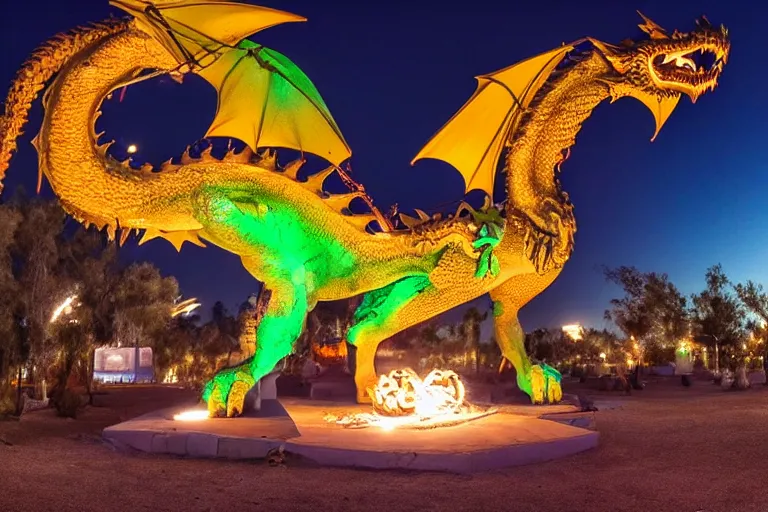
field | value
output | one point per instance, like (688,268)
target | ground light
(191,415)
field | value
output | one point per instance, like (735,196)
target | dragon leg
(276,334)
(372,321)
(540,382)
(389,310)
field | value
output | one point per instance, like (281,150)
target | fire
(402,399)
(191,415)
(402,393)
(330,353)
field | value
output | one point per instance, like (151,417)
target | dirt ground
(663,448)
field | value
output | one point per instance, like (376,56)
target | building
(123,365)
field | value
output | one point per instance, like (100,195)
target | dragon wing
(265,100)
(190,29)
(473,138)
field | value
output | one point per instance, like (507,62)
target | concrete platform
(297,426)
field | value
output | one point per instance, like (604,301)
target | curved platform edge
(494,442)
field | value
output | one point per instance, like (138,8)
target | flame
(402,393)
(193,415)
(402,399)
(329,353)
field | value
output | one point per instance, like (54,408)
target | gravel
(664,448)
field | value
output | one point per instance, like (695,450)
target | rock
(586,404)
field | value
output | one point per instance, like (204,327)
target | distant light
(574,331)
(191,416)
(62,308)
(132,149)
(185,307)
(602,356)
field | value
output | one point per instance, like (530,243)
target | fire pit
(401,399)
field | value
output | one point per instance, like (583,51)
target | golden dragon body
(294,237)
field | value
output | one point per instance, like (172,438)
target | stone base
(501,440)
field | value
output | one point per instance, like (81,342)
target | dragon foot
(544,383)
(225,393)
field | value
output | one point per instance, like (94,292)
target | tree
(631,313)
(92,269)
(35,262)
(717,313)
(470,330)
(227,328)
(668,307)
(173,349)
(755,299)
(595,342)
(538,344)
(9,344)
(143,302)
(653,311)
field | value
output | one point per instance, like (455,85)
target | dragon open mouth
(692,63)
(701,66)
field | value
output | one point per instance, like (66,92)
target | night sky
(393,72)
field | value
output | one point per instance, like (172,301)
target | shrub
(7,400)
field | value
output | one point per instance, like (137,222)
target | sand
(664,448)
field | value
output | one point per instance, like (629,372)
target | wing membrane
(190,29)
(265,100)
(472,140)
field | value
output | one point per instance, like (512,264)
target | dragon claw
(225,393)
(488,237)
(545,385)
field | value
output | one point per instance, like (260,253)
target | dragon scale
(538,148)
(300,241)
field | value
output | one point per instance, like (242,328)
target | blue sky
(393,73)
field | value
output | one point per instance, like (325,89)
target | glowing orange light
(132,149)
(574,331)
(194,415)
(403,400)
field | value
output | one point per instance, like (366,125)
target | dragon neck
(91,185)
(549,129)
(536,203)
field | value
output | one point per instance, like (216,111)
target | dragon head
(659,69)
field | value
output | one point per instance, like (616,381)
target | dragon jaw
(658,70)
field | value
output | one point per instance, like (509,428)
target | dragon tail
(44,62)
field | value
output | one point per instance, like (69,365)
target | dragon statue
(303,243)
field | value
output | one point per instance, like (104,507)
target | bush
(7,400)
(67,404)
